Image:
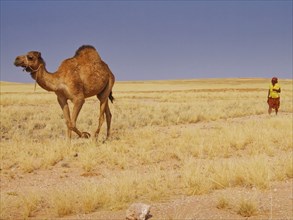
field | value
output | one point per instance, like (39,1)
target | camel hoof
(85,135)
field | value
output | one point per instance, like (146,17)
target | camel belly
(94,85)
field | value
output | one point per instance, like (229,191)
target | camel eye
(29,57)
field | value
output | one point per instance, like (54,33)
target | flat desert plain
(192,149)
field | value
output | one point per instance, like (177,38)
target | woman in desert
(274,95)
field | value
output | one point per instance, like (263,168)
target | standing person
(274,95)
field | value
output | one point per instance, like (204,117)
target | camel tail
(111,97)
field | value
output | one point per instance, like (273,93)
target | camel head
(30,62)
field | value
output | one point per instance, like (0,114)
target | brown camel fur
(77,78)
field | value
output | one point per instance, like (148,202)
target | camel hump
(87,52)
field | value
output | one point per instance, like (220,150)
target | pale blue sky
(147,40)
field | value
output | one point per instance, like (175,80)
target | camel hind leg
(108,118)
(108,114)
(103,106)
(105,110)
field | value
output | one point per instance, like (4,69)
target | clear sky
(149,40)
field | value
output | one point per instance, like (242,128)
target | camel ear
(37,53)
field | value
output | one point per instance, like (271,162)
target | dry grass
(223,203)
(169,138)
(243,204)
(247,208)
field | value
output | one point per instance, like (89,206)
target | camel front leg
(66,113)
(77,105)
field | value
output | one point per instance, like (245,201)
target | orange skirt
(274,103)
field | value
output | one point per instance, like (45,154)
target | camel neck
(46,80)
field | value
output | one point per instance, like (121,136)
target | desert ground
(192,149)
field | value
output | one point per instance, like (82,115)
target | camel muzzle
(18,62)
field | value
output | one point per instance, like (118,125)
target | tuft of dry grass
(243,204)
(30,204)
(64,202)
(223,203)
(247,208)
(14,205)
(195,179)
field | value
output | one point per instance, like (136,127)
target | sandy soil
(275,203)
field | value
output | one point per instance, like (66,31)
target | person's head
(274,80)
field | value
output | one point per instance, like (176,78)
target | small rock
(65,164)
(138,211)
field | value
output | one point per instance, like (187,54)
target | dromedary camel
(77,78)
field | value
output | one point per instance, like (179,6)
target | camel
(77,78)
